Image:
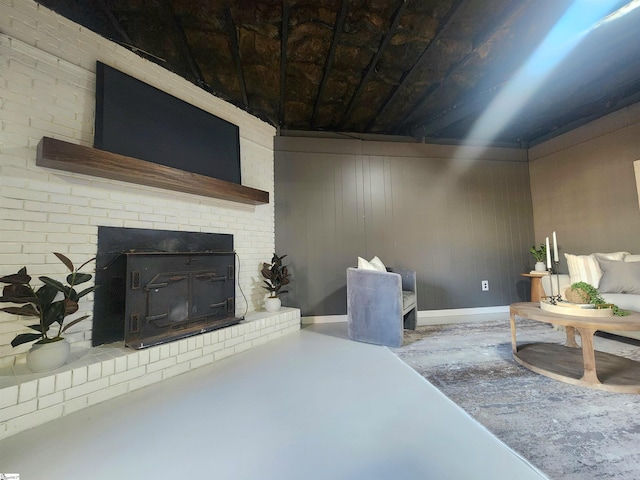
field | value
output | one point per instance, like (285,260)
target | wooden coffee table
(572,363)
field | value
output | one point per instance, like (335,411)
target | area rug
(568,432)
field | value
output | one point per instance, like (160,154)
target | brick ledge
(108,371)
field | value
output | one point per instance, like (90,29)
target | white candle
(555,248)
(548,254)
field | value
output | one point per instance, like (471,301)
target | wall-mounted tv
(141,121)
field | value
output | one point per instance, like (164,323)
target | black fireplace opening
(157,286)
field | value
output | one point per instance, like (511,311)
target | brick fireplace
(50,78)
(48,68)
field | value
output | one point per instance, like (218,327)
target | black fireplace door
(171,296)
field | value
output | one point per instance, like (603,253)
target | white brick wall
(47,88)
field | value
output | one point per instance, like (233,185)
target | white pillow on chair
(365,264)
(377,263)
(374,264)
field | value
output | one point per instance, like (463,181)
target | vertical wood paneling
(583,186)
(455,223)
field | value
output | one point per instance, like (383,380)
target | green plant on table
(590,294)
(539,253)
(50,303)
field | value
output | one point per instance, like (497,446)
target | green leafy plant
(587,293)
(276,276)
(45,303)
(539,253)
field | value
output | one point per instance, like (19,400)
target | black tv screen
(140,121)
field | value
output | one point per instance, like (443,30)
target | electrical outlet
(485,285)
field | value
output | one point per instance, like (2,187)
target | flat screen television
(138,120)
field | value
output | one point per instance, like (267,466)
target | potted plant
(539,254)
(50,303)
(276,276)
(583,292)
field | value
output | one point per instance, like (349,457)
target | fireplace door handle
(217,305)
(177,278)
(152,318)
(212,277)
(174,279)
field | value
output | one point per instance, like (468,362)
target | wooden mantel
(74,158)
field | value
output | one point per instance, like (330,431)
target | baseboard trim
(451,312)
(323,319)
(462,315)
(462,311)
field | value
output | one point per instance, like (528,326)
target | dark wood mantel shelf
(74,158)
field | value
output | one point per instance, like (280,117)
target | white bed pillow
(585,268)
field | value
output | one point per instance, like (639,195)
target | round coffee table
(572,363)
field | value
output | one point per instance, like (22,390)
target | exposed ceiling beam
(597,45)
(456,113)
(235,51)
(376,58)
(475,105)
(610,91)
(337,30)
(599,112)
(592,96)
(284,37)
(183,45)
(405,77)
(115,22)
(126,39)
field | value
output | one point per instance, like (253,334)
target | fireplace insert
(155,286)
(172,295)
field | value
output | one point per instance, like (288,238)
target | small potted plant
(582,292)
(50,303)
(539,254)
(276,276)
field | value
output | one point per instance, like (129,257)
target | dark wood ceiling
(425,68)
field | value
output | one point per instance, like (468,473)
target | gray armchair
(380,305)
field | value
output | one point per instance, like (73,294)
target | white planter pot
(48,356)
(272,304)
(540,267)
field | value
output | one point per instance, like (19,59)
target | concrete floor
(312,405)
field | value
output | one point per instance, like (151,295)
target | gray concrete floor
(312,405)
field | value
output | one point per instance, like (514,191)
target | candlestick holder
(551,298)
(555,299)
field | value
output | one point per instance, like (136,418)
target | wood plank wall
(583,186)
(455,221)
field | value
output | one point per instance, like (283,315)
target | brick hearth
(100,373)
